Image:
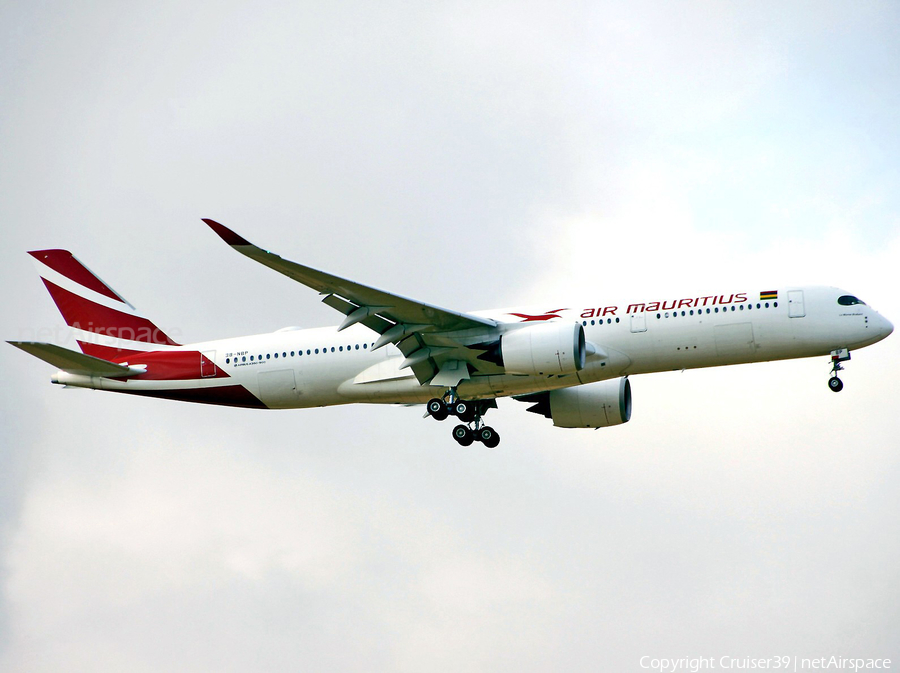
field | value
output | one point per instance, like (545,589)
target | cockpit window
(850,300)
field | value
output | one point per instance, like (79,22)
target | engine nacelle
(597,405)
(544,349)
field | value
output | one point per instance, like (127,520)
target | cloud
(174,527)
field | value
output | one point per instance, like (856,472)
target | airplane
(571,365)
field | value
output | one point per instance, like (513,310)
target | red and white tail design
(105,325)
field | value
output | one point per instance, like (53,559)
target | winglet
(226,234)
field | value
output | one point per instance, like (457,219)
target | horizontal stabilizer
(74,362)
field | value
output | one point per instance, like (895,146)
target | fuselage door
(638,322)
(208,364)
(278,389)
(795,304)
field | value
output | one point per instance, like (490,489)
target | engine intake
(597,405)
(544,350)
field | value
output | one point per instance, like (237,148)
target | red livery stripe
(81,313)
(175,366)
(109,353)
(229,396)
(63,262)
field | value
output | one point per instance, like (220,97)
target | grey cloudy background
(470,155)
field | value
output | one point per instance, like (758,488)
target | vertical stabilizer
(104,324)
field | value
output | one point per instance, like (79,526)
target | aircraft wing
(418,329)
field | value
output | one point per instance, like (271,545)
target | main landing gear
(470,413)
(837,357)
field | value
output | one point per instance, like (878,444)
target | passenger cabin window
(850,300)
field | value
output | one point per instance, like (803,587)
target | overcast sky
(472,156)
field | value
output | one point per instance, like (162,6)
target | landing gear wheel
(465,411)
(463,435)
(437,409)
(837,357)
(489,437)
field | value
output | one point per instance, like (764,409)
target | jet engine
(544,349)
(597,405)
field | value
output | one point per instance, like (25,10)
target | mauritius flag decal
(768,295)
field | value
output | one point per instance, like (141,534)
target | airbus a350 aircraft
(571,364)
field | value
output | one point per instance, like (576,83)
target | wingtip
(226,234)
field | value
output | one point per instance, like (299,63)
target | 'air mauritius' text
(668,305)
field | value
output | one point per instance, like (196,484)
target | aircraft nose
(884,326)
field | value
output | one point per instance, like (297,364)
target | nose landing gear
(837,357)
(470,413)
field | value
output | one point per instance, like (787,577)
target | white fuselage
(295,368)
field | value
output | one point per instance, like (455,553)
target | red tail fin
(105,325)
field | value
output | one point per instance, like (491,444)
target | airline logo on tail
(105,325)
